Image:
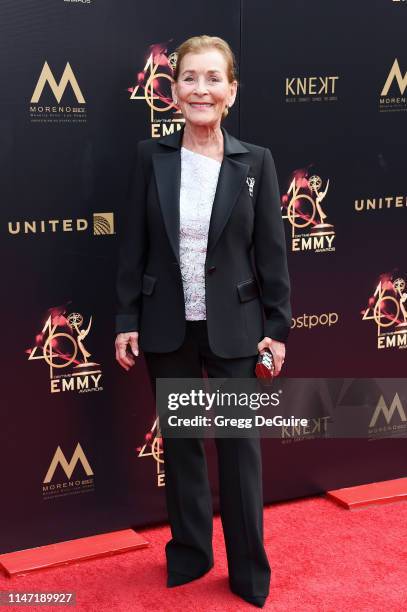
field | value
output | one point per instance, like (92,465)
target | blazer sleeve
(270,254)
(132,251)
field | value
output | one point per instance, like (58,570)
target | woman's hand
(277,349)
(124,354)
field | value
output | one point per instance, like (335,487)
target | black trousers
(188,496)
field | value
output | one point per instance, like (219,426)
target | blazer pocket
(248,290)
(148,284)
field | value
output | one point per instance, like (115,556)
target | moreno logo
(395,74)
(388,412)
(68,467)
(57,89)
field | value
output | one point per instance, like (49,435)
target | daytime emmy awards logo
(387,308)
(302,206)
(153,87)
(153,448)
(61,345)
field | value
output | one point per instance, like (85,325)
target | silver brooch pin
(250,182)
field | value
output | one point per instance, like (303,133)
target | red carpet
(324,559)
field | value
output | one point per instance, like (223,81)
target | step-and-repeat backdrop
(324,86)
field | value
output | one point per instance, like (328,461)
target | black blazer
(246,275)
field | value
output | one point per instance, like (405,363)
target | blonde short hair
(197,44)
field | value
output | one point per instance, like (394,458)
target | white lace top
(199,178)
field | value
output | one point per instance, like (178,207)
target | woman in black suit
(203,282)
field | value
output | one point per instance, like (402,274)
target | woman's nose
(201,86)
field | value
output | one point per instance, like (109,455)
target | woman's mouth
(200,105)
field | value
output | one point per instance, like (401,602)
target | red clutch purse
(265,367)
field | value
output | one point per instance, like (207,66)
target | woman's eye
(191,79)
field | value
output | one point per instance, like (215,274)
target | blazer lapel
(232,178)
(167,169)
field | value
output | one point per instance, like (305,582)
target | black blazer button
(211,269)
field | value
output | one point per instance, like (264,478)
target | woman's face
(203,90)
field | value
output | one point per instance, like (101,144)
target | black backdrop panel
(312,74)
(78,445)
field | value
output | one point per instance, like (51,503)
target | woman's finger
(262,346)
(124,359)
(277,366)
(134,345)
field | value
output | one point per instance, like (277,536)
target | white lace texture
(199,178)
